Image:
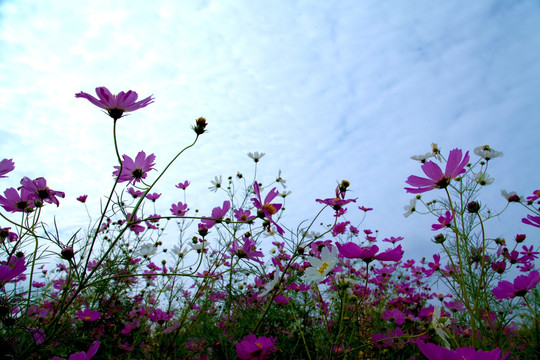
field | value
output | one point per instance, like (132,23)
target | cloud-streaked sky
(329,90)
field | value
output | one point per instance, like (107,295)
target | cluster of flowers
(220,292)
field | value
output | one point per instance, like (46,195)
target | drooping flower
(253,347)
(17,202)
(82,355)
(179,209)
(444,221)
(522,284)
(436,352)
(486,152)
(529,220)
(88,315)
(455,166)
(40,191)
(217,215)
(266,208)
(135,193)
(320,268)
(14,267)
(511,196)
(116,105)
(135,171)
(6,166)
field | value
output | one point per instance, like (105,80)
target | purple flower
(455,166)
(351,250)
(135,171)
(444,221)
(217,215)
(134,224)
(14,267)
(135,193)
(88,315)
(82,198)
(179,209)
(246,251)
(335,203)
(265,207)
(243,215)
(15,202)
(82,355)
(6,166)
(435,352)
(40,191)
(522,284)
(116,105)
(153,197)
(253,347)
(183,185)
(532,220)
(6,234)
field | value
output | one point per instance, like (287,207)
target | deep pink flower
(116,105)
(40,191)
(393,240)
(183,185)
(14,267)
(436,352)
(179,209)
(528,254)
(499,266)
(88,315)
(444,221)
(6,234)
(243,215)
(247,251)
(82,198)
(82,355)
(134,224)
(217,215)
(532,220)
(153,197)
(535,196)
(351,250)
(135,171)
(266,207)
(253,347)
(160,316)
(335,203)
(522,284)
(135,193)
(394,254)
(455,166)
(6,166)
(15,202)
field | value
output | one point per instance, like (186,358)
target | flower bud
(439,239)
(520,238)
(473,207)
(67,253)
(200,126)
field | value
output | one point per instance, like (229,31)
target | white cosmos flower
(256,156)
(216,184)
(409,209)
(439,324)
(321,267)
(146,250)
(483,179)
(422,158)
(486,152)
(271,284)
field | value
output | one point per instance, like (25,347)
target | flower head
(486,152)
(532,220)
(116,105)
(135,171)
(6,166)
(511,196)
(321,267)
(14,267)
(256,156)
(183,185)
(82,198)
(444,221)
(436,352)
(455,166)
(253,347)
(40,191)
(88,315)
(217,215)
(83,355)
(179,209)
(266,208)
(14,201)
(522,284)
(216,184)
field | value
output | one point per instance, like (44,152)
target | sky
(328,90)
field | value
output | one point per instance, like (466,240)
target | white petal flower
(409,209)
(146,250)
(321,267)
(271,284)
(256,156)
(483,179)
(422,158)
(216,184)
(439,324)
(486,152)
(280,180)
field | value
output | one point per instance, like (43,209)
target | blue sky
(328,90)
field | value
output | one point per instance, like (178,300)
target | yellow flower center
(323,267)
(269,208)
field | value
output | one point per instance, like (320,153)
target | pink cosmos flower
(82,198)
(153,197)
(522,284)
(134,224)
(532,220)
(528,254)
(217,215)
(179,209)
(535,196)
(135,193)
(6,234)
(335,203)
(183,185)
(40,191)
(15,202)
(444,221)
(253,347)
(14,267)
(116,105)
(265,207)
(436,352)
(135,171)
(455,166)
(6,166)
(351,250)
(243,215)
(88,315)
(82,355)
(247,251)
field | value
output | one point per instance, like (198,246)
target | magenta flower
(532,220)
(88,315)
(522,284)
(135,193)
(82,198)
(335,203)
(159,316)
(394,254)
(436,352)
(217,215)
(265,208)
(253,347)
(153,197)
(6,166)
(134,224)
(455,166)
(179,209)
(528,254)
(183,185)
(444,221)
(351,250)
(14,267)
(15,202)
(6,234)
(116,105)
(246,251)
(535,195)
(243,215)
(82,355)
(135,171)
(40,191)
